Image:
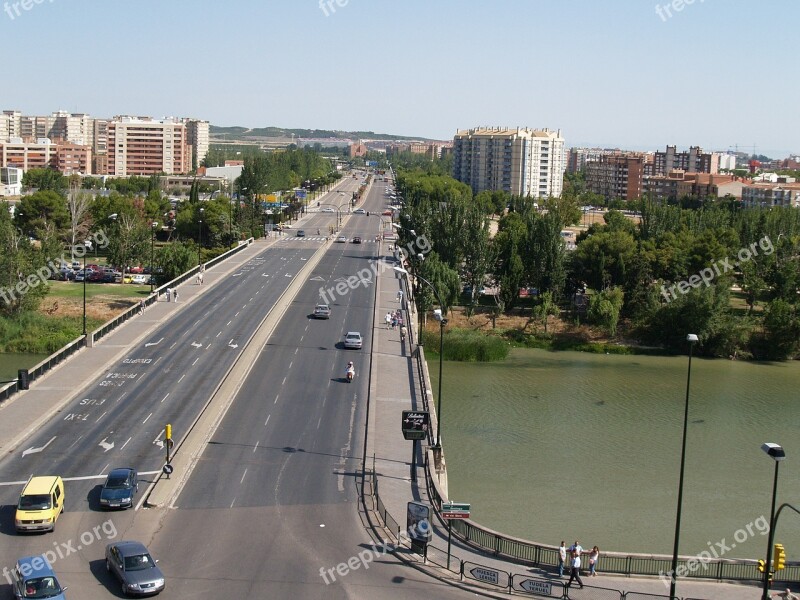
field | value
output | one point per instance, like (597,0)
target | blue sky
(716,73)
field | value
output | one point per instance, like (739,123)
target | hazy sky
(613,73)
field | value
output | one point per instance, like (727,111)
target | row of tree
(644,272)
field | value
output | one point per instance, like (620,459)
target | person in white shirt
(562,558)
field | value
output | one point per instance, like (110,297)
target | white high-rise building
(521,161)
(197,135)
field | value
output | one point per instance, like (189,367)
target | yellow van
(40,504)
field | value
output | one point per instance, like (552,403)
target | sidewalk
(394,387)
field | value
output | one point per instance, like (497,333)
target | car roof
(349,333)
(29,565)
(121,471)
(40,485)
(129,548)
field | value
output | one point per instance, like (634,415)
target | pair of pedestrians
(575,551)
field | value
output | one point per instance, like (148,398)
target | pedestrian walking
(403,332)
(175,294)
(787,595)
(141,307)
(169,294)
(593,556)
(388,319)
(562,558)
(400,296)
(575,570)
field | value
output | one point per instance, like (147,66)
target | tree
(509,270)
(546,307)
(601,259)
(78,203)
(19,260)
(781,329)
(478,253)
(44,179)
(35,212)
(605,308)
(566,208)
(174,259)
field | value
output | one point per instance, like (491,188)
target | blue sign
(300,194)
(372,163)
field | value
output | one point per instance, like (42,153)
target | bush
(466,345)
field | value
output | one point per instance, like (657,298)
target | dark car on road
(119,489)
(132,565)
(356,240)
(300,233)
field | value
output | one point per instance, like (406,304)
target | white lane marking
(165,397)
(236,315)
(209,346)
(219,334)
(101,416)
(173,345)
(346,449)
(195,361)
(75,442)
(241,481)
(33,450)
(296,350)
(182,376)
(196,322)
(103,470)
(268,416)
(197,344)
(283,382)
(229,322)
(148,416)
(319,422)
(255,448)
(232,502)
(126,443)
(290,365)
(148,344)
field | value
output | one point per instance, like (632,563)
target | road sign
(168,469)
(486,575)
(415,424)
(455,510)
(543,588)
(418,522)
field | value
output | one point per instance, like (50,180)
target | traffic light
(779,557)
(168,432)
(762,566)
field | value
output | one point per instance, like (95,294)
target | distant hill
(234,133)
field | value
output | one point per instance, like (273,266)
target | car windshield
(42,587)
(117,483)
(34,502)
(139,562)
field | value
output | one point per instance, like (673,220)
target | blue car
(34,578)
(119,489)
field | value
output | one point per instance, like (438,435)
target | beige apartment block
(143,146)
(521,161)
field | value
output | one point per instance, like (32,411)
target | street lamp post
(777,453)
(692,339)
(200,237)
(153,226)
(84,289)
(442,323)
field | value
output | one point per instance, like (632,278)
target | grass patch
(34,333)
(70,289)
(466,345)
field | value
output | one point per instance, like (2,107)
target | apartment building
(617,176)
(521,161)
(692,161)
(144,146)
(40,154)
(72,159)
(10,181)
(578,157)
(770,194)
(197,133)
(680,184)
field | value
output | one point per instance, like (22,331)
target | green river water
(562,446)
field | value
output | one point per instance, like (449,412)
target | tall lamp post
(200,237)
(777,454)
(692,339)
(442,322)
(85,249)
(153,226)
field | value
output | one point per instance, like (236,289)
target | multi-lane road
(273,500)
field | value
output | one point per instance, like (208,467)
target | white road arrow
(158,441)
(197,345)
(317,278)
(289,275)
(264,275)
(37,450)
(153,343)
(106,446)
(236,275)
(232,345)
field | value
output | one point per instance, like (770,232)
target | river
(11,363)
(552,446)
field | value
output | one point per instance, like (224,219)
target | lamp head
(692,338)
(774,450)
(400,270)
